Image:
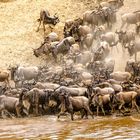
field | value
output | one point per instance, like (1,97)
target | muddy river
(49,127)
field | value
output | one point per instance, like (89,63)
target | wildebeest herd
(84,81)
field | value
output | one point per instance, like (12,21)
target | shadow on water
(49,127)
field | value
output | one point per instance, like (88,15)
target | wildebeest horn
(117,31)
(123,32)
(38,20)
(56,88)
(9,66)
(55,15)
(126,46)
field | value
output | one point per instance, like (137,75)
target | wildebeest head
(43,49)
(131,48)
(94,100)
(24,98)
(55,19)
(64,98)
(138,28)
(37,52)
(13,71)
(54,98)
(120,34)
(120,3)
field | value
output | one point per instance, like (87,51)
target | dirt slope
(18,25)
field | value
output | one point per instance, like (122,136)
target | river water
(49,127)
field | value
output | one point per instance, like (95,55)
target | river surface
(50,128)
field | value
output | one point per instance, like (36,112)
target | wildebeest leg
(36,103)
(97,110)
(44,27)
(39,25)
(82,113)
(102,108)
(135,57)
(116,43)
(60,114)
(120,107)
(26,112)
(54,55)
(63,109)
(108,25)
(72,113)
(88,111)
(44,108)
(123,23)
(111,107)
(3,112)
(7,83)
(18,111)
(127,26)
(51,28)
(36,109)
(134,104)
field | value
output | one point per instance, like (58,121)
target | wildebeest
(134,48)
(74,104)
(46,85)
(100,101)
(54,48)
(130,18)
(98,31)
(76,22)
(35,97)
(87,41)
(108,16)
(5,76)
(80,91)
(11,105)
(103,91)
(53,37)
(92,17)
(63,47)
(133,67)
(71,26)
(45,48)
(125,37)
(110,38)
(102,51)
(126,97)
(121,76)
(45,18)
(20,73)
(113,4)
(100,16)
(3,88)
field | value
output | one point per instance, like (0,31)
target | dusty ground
(18,26)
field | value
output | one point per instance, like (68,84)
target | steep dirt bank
(18,26)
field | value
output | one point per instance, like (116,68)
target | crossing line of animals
(85,80)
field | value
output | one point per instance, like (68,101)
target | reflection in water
(49,127)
